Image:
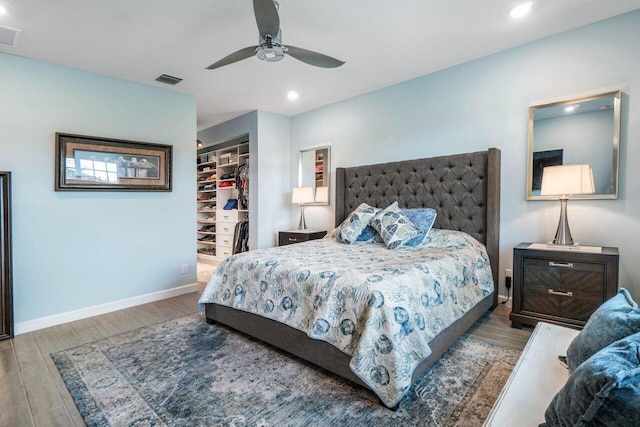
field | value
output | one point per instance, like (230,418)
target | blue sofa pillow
(617,318)
(603,391)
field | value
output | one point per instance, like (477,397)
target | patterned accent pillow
(423,218)
(369,234)
(617,318)
(603,391)
(355,223)
(394,227)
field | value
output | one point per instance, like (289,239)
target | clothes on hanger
(241,237)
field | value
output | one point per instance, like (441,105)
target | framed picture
(88,163)
(6,298)
(542,159)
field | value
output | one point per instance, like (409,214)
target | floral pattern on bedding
(379,306)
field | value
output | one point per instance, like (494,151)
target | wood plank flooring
(32,392)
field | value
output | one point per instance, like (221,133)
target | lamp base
(563,234)
(574,245)
(302,225)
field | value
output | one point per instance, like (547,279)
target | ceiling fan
(271,48)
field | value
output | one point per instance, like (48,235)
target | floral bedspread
(380,306)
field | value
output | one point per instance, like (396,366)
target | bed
(464,189)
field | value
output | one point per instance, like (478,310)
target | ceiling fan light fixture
(270,54)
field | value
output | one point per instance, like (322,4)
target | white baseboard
(83,313)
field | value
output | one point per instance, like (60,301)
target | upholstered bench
(536,378)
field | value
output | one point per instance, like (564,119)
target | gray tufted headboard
(464,189)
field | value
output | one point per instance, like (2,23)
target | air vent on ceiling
(9,36)
(170,80)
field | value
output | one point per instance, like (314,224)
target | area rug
(185,372)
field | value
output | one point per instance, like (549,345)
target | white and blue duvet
(380,306)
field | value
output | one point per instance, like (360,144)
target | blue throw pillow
(394,227)
(423,218)
(603,391)
(617,318)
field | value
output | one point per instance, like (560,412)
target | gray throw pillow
(617,318)
(603,391)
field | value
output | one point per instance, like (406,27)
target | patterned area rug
(186,373)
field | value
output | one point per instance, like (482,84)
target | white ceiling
(382,41)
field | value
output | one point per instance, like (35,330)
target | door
(6,298)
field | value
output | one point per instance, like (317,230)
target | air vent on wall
(9,36)
(170,80)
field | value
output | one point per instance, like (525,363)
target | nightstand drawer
(562,275)
(291,237)
(576,305)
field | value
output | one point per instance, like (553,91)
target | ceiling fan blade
(245,53)
(266,17)
(313,58)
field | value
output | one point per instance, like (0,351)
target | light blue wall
(484,103)
(77,249)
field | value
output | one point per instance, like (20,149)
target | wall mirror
(573,131)
(314,170)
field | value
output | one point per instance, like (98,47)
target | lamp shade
(565,180)
(301,195)
(322,195)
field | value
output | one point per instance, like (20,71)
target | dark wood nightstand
(563,287)
(296,236)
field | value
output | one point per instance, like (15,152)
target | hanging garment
(242,184)
(241,237)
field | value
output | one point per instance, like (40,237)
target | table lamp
(322,195)
(565,181)
(302,195)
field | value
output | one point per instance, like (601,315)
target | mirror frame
(328,171)
(617,95)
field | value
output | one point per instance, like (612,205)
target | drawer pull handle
(560,293)
(561,264)
(292,239)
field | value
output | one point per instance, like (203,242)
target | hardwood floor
(32,392)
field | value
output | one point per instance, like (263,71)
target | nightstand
(563,287)
(296,236)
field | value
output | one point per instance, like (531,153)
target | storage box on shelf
(216,188)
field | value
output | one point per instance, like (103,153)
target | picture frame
(6,275)
(89,163)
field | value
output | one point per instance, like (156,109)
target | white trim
(83,313)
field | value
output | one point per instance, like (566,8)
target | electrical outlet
(185,268)
(508,273)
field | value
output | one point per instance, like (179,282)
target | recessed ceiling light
(3,9)
(521,10)
(292,95)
